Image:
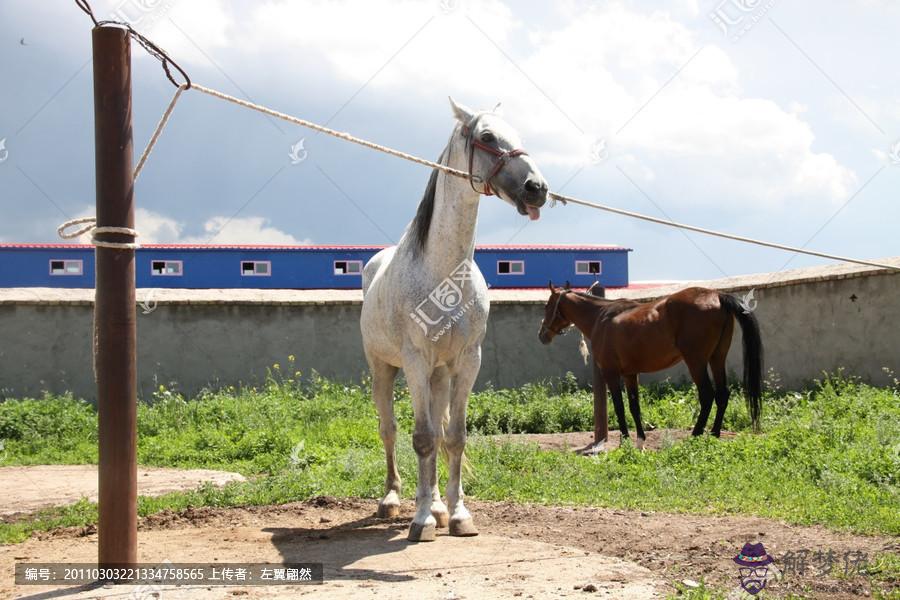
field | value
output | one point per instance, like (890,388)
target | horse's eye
(488,137)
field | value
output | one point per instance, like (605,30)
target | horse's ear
(568,286)
(462,113)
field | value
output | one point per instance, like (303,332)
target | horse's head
(498,164)
(554,322)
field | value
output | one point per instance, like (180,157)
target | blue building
(300,267)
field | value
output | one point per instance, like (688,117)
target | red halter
(503,157)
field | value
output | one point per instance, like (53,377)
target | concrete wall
(812,320)
(49,347)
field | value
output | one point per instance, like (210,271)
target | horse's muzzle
(545,336)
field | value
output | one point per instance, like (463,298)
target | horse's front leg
(418,376)
(440,401)
(601,419)
(634,404)
(466,369)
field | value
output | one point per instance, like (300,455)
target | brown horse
(628,337)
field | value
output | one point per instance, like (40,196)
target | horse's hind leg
(631,385)
(440,402)
(615,390)
(383,376)
(717,366)
(466,370)
(700,375)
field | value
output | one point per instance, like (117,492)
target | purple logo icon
(753,563)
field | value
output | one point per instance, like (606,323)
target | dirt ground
(27,489)
(525,551)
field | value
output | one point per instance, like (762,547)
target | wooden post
(115,333)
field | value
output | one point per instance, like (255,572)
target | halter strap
(545,327)
(503,157)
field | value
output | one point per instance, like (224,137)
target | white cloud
(595,71)
(245,230)
(156,228)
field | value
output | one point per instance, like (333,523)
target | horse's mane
(611,308)
(421,223)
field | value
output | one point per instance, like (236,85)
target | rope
(728,236)
(90,222)
(91,225)
(555,197)
(151,48)
(158,131)
(333,132)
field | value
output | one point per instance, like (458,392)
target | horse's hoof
(388,511)
(442,518)
(463,527)
(421,533)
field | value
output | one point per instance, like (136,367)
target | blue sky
(778,125)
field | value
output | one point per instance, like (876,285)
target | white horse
(426,308)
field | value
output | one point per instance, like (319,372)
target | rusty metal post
(601,419)
(115,333)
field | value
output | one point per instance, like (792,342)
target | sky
(766,118)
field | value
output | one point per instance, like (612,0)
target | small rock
(643,514)
(690,583)
(324,520)
(577,586)
(589,588)
(438,574)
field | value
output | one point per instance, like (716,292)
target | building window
(66,267)
(256,268)
(510,267)
(587,267)
(166,267)
(347,267)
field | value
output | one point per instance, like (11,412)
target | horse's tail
(584,349)
(753,354)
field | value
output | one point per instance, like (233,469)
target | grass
(829,455)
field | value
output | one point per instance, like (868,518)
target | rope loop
(89,224)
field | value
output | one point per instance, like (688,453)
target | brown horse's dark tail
(753,354)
